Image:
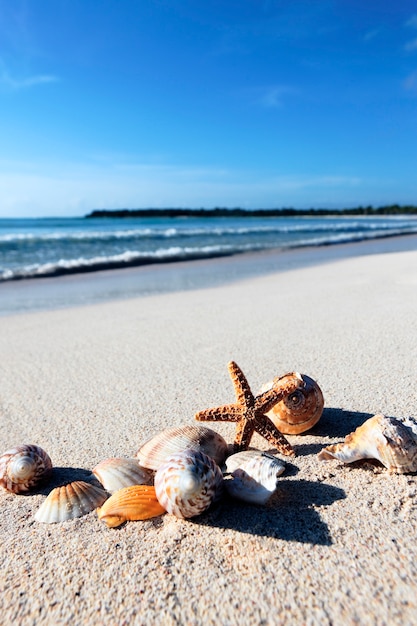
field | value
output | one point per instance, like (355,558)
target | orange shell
(137,502)
(300,410)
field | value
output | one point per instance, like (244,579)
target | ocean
(36,248)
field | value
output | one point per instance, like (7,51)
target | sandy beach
(335,545)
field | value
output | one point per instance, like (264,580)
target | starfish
(249,410)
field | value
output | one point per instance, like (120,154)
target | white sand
(335,545)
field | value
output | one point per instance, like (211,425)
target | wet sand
(336,544)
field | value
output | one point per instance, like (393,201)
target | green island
(392,209)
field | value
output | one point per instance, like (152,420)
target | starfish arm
(244,432)
(225,413)
(244,396)
(267,429)
(282,387)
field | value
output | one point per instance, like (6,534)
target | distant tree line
(392,209)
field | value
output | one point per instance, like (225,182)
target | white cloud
(410,46)
(272,96)
(12,83)
(412,21)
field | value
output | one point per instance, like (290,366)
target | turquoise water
(33,248)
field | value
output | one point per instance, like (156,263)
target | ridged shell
(137,502)
(70,501)
(298,411)
(188,483)
(153,453)
(116,473)
(253,475)
(383,438)
(22,468)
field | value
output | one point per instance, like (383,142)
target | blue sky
(155,103)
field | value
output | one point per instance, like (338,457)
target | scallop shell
(253,475)
(116,473)
(156,450)
(22,468)
(298,411)
(70,501)
(383,438)
(188,483)
(137,502)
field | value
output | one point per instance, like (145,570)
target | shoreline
(48,293)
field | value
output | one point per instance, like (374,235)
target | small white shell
(70,501)
(253,475)
(188,483)
(22,468)
(116,473)
(170,441)
(386,439)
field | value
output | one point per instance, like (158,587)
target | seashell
(383,438)
(116,473)
(137,502)
(70,501)
(298,411)
(188,483)
(156,450)
(22,468)
(253,475)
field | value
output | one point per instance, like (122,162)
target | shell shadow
(62,476)
(290,515)
(338,422)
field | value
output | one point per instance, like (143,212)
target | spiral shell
(253,475)
(298,411)
(70,501)
(116,473)
(188,483)
(170,441)
(137,502)
(386,439)
(22,468)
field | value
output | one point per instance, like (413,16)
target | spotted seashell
(116,473)
(383,438)
(22,468)
(70,501)
(156,450)
(298,411)
(137,502)
(253,475)
(188,483)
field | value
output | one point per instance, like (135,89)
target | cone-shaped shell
(116,473)
(153,453)
(253,476)
(22,468)
(188,483)
(383,438)
(298,411)
(137,502)
(70,501)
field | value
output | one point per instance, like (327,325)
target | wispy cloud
(13,83)
(410,83)
(410,46)
(412,21)
(272,96)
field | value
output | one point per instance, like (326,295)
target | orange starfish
(249,411)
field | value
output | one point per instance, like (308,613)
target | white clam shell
(188,483)
(22,468)
(70,501)
(153,453)
(386,439)
(253,475)
(116,473)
